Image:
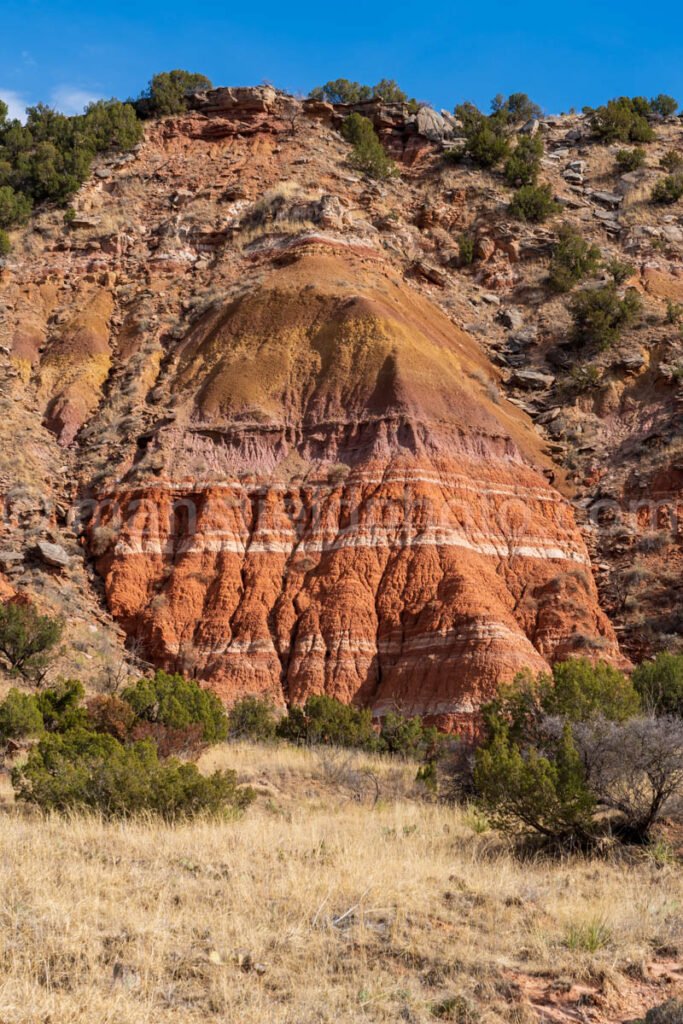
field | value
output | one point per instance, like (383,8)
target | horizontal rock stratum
(374,522)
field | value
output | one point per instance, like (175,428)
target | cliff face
(282,446)
(368,522)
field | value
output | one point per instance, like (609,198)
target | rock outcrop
(260,403)
(371,523)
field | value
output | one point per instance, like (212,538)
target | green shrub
(585,378)
(577,691)
(560,751)
(600,315)
(15,208)
(523,165)
(487,147)
(61,706)
(533,204)
(341,90)
(674,312)
(573,260)
(167,93)
(663,105)
(582,691)
(545,793)
(19,716)
(85,770)
(178,703)
(26,638)
(408,737)
(5,244)
(671,161)
(466,250)
(668,189)
(368,153)
(110,124)
(660,684)
(49,157)
(619,271)
(252,718)
(324,720)
(515,109)
(622,120)
(470,117)
(630,159)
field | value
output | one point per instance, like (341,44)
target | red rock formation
(368,520)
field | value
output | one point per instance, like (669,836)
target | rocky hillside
(263,425)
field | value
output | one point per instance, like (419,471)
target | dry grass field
(324,904)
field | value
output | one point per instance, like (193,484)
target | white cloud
(71,100)
(15,102)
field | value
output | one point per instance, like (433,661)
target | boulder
(532,380)
(52,554)
(511,318)
(432,125)
(608,198)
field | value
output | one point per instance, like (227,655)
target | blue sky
(66,53)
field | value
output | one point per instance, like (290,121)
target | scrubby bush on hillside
(540,789)
(619,271)
(253,719)
(341,90)
(26,638)
(5,244)
(486,147)
(533,204)
(623,120)
(324,720)
(670,1012)
(514,109)
(630,159)
(672,161)
(167,93)
(663,105)
(470,117)
(175,702)
(486,138)
(523,165)
(49,157)
(465,250)
(600,315)
(61,706)
(572,756)
(15,208)
(582,691)
(409,738)
(577,690)
(560,753)
(85,770)
(660,684)
(368,153)
(19,716)
(573,260)
(668,189)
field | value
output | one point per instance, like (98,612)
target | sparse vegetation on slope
(368,153)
